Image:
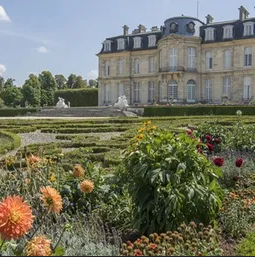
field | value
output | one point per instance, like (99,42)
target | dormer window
(248,29)
(152,40)
(121,43)
(107,45)
(209,34)
(137,42)
(228,31)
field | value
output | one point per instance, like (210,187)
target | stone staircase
(80,112)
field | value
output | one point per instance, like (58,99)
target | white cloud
(3,15)
(92,74)
(42,49)
(2,69)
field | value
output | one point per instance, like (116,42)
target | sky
(64,36)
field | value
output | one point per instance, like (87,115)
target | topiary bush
(170,182)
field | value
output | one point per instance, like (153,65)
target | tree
(1,84)
(12,96)
(93,83)
(48,88)
(61,81)
(79,82)
(71,81)
(9,82)
(31,91)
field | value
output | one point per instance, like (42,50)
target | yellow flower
(8,162)
(149,122)
(38,246)
(141,130)
(153,127)
(140,137)
(52,178)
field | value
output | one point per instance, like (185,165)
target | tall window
(151,64)
(209,60)
(107,45)
(228,31)
(151,92)
(107,94)
(248,29)
(173,59)
(227,86)
(121,43)
(107,68)
(120,89)
(247,56)
(136,92)
(172,90)
(208,90)
(247,89)
(137,66)
(120,67)
(191,57)
(152,40)
(209,34)
(191,91)
(227,59)
(137,42)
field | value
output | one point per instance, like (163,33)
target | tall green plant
(170,182)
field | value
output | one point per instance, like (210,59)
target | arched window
(172,89)
(191,91)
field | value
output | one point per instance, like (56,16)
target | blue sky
(63,36)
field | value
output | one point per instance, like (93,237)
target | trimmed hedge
(13,141)
(12,112)
(79,97)
(197,110)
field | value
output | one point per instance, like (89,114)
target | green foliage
(247,246)
(79,97)
(11,112)
(71,81)
(9,83)
(12,96)
(31,91)
(186,241)
(61,81)
(150,111)
(8,141)
(93,83)
(170,182)
(48,88)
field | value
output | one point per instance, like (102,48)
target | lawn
(128,186)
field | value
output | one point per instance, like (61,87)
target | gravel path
(43,138)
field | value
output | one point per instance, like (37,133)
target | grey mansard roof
(182,25)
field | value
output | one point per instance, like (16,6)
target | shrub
(9,141)
(10,112)
(79,97)
(246,247)
(197,110)
(186,241)
(169,181)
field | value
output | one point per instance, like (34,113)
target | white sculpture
(61,103)
(122,103)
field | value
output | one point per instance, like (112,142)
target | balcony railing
(176,68)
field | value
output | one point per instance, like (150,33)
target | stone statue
(61,103)
(122,103)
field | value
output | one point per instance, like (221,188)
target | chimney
(141,28)
(209,19)
(243,13)
(125,30)
(155,28)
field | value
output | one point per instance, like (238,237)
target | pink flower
(189,132)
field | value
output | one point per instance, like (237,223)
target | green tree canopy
(93,83)
(1,83)
(71,81)
(31,91)
(48,88)
(12,96)
(80,82)
(9,82)
(61,81)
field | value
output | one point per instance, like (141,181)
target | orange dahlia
(78,171)
(38,246)
(32,159)
(51,199)
(86,186)
(16,217)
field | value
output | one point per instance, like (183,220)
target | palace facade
(185,61)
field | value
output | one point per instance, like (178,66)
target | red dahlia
(218,161)
(239,162)
(208,138)
(210,147)
(217,140)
